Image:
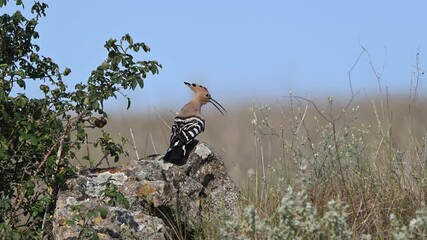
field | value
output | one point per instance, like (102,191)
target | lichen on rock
(158,194)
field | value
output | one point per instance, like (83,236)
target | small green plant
(84,217)
(115,197)
(39,136)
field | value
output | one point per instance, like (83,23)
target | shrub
(39,136)
(295,218)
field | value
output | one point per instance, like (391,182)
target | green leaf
(34,140)
(112,54)
(145,47)
(16,235)
(79,86)
(91,213)
(133,83)
(129,39)
(110,43)
(67,71)
(140,82)
(126,203)
(104,65)
(44,88)
(95,236)
(95,105)
(93,98)
(103,212)
(85,230)
(21,83)
(129,102)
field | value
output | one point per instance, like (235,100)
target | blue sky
(243,50)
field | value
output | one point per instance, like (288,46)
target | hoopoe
(189,123)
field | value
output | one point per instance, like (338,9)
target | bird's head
(202,94)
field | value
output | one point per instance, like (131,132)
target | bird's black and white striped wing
(184,130)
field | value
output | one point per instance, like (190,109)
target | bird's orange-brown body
(189,123)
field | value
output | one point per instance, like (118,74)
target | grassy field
(369,153)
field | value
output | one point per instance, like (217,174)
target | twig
(152,143)
(351,70)
(56,185)
(158,115)
(314,105)
(378,76)
(134,144)
(302,119)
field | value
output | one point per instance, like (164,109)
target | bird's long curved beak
(216,104)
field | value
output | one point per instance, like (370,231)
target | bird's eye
(207,95)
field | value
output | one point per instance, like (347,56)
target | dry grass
(370,155)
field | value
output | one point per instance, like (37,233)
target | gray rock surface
(158,195)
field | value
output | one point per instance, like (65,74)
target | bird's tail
(174,154)
(178,153)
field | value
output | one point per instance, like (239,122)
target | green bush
(39,136)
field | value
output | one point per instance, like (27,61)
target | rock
(145,199)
